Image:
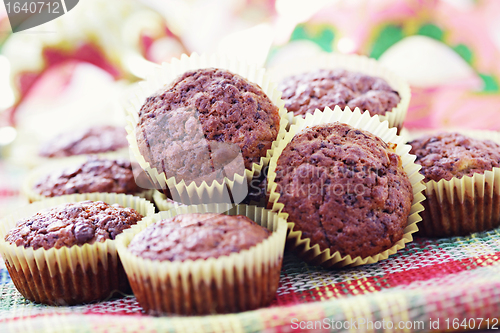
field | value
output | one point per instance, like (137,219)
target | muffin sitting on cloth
(318,89)
(461,175)
(345,189)
(348,187)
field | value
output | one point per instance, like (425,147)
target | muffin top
(197,236)
(318,89)
(72,224)
(345,189)
(94,175)
(448,155)
(205,120)
(93,140)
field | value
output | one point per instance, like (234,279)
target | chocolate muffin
(207,122)
(93,140)
(197,236)
(205,263)
(68,254)
(72,224)
(94,175)
(451,209)
(448,155)
(345,189)
(318,89)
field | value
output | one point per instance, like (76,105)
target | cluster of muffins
(340,187)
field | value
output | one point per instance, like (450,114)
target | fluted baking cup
(228,190)
(461,206)
(303,246)
(354,63)
(241,281)
(163,203)
(68,275)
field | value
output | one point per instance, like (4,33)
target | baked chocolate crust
(94,175)
(345,189)
(318,89)
(197,236)
(72,224)
(448,155)
(203,121)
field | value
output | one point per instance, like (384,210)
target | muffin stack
(238,172)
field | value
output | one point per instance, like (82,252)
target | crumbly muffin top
(345,189)
(99,139)
(72,224)
(197,236)
(318,89)
(448,155)
(94,175)
(203,121)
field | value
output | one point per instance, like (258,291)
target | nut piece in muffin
(94,175)
(306,92)
(345,189)
(451,208)
(197,236)
(205,121)
(71,224)
(448,155)
(93,140)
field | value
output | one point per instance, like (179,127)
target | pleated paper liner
(459,207)
(55,166)
(205,193)
(163,203)
(353,63)
(241,281)
(312,252)
(68,275)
